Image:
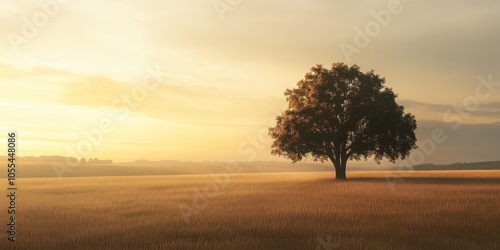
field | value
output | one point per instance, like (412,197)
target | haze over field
(224,77)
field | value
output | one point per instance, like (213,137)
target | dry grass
(428,210)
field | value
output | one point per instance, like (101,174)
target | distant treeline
(58,158)
(461,166)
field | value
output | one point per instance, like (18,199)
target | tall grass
(428,210)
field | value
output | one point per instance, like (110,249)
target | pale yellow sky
(224,78)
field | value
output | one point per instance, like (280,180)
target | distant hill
(33,167)
(280,166)
(57,158)
(487,165)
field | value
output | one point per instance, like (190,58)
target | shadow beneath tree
(423,180)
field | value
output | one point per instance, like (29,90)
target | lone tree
(343,114)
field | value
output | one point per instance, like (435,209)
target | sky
(203,80)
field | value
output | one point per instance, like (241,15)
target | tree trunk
(340,167)
(339,160)
(340,172)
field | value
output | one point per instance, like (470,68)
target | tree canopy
(342,114)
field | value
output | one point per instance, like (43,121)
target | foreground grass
(426,210)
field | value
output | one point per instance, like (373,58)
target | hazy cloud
(484,112)
(467,143)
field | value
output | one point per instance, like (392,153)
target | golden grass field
(427,210)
